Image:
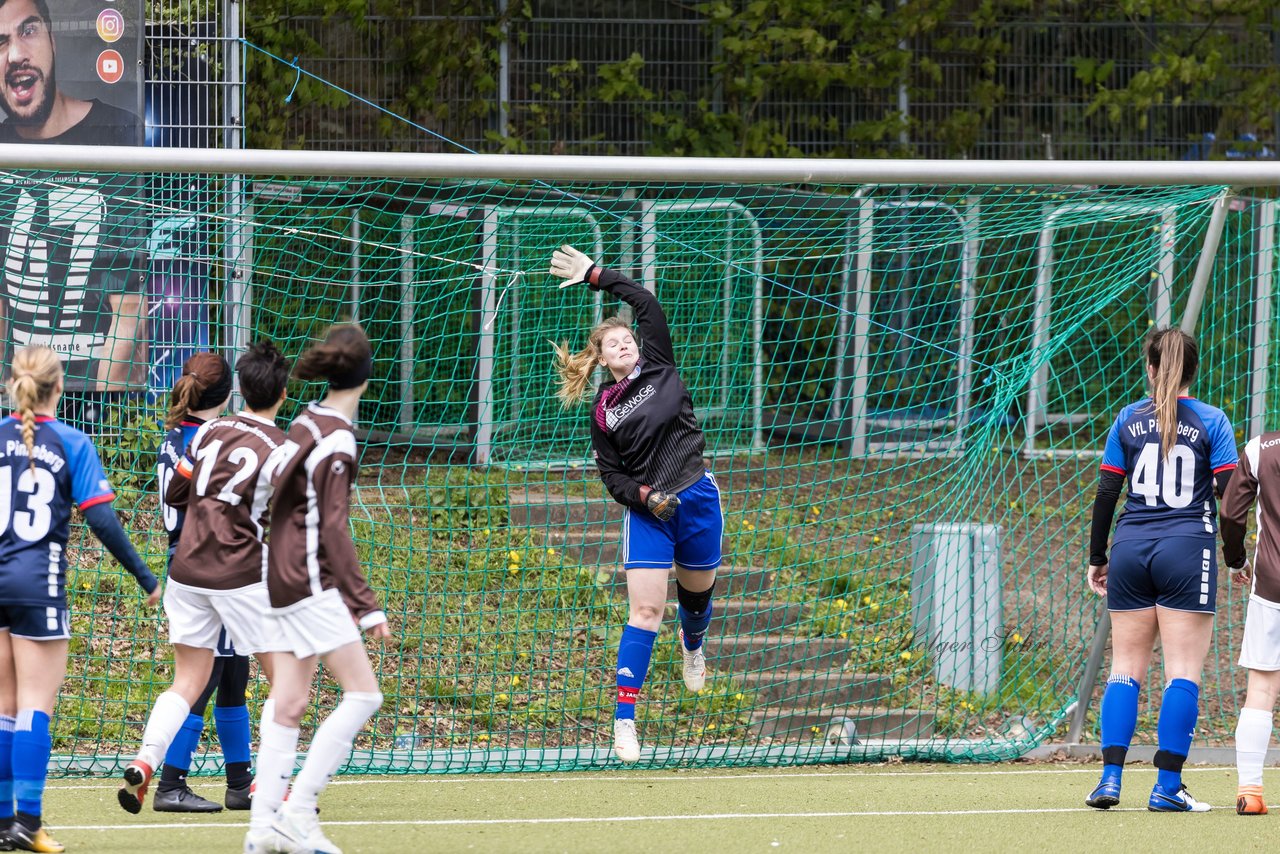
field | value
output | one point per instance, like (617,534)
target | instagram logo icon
(110,25)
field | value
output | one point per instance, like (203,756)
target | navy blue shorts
(692,538)
(35,622)
(1180,573)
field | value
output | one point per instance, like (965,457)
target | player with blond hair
(46,468)
(1162,575)
(648,447)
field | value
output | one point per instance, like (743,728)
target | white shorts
(1260,649)
(315,626)
(197,617)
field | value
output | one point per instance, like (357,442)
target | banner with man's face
(74,269)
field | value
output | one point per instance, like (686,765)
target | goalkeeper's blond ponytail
(575,368)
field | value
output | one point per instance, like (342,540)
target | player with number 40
(1162,576)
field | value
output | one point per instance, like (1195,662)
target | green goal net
(905,391)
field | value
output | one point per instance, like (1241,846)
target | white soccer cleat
(301,828)
(625,743)
(270,842)
(695,666)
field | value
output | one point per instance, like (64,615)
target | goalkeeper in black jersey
(648,447)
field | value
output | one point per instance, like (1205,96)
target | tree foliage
(796,76)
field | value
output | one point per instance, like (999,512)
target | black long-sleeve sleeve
(643,430)
(624,488)
(106,527)
(1110,484)
(651,322)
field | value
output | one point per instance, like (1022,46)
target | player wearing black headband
(215,583)
(320,601)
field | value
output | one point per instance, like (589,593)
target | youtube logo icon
(110,66)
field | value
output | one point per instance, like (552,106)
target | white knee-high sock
(331,746)
(1253,734)
(277,751)
(167,717)
(268,713)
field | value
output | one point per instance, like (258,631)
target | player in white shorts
(1257,479)
(320,601)
(216,579)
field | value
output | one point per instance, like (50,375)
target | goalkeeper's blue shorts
(1180,573)
(692,538)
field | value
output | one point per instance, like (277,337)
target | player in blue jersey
(200,394)
(1162,576)
(46,468)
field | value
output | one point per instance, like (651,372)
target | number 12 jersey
(1173,496)
(224,482)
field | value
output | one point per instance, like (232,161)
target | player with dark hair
(1257,479)
(45,468)
(648,447)
(198,396)
(215,578)
(1162,576)
(320,601)
(36,109)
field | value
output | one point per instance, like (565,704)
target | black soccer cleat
(239,799)
(182,799)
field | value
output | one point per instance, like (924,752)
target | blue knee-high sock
(634,651)
(694,626)
(1178,712)
(185,744)
(31,748)
(233,732)
(694,610)
(6,770)
(1119,718)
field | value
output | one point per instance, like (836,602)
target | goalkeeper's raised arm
(648,447)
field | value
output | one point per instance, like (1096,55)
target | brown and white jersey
(1256,480)
(224,482)
(311,548)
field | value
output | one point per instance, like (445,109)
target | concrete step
(805,688)
(740,654)
(731,581)
(747,616)
(594,545)
(536,509)
(734,616)
(799,724)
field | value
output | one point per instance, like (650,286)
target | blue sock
(1178,712)
(1119,718)
(694,626)
(6,770)
(185,744)
(233,732)
(31,748)
(634,651)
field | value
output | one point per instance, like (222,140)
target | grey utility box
(955,602)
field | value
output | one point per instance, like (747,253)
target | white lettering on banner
(53,238)
(615,416)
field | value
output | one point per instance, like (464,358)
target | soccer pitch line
(674,777)
(728,816)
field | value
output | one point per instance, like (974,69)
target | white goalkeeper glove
(571,265)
